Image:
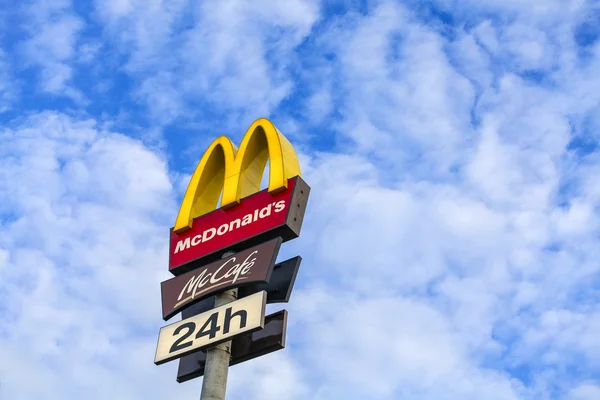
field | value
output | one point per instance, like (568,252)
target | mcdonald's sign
(247,216)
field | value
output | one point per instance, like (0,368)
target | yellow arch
(237,172)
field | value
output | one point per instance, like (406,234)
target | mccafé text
(236,272)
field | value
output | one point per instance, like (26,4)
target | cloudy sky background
(451,243)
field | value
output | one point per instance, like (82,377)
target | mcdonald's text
(227,227)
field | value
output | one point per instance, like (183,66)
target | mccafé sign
(247,216)
(253,265)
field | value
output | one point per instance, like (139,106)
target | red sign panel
(256,218)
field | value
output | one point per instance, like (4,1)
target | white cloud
(472,244)
(162,98)
(320,105)
(142,29)
(387,268)
(404,101)
(255,41)
(53,29)
(247,75)
(8,87)
(269,377)
(88,52)
(86,229)
(584,391)
(443,256)
(390,347)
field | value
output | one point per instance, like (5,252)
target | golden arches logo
(237,173)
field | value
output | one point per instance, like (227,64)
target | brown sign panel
(243,347)
(250,266)
(279,288)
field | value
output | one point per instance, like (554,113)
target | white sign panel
(210,328)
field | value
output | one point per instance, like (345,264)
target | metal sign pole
(214,383)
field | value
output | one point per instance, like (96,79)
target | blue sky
(451,242)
